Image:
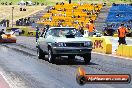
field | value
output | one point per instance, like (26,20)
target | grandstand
(119,13)
(71,14)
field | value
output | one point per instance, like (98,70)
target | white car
(63,41)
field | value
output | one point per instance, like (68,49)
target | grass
(47,2)
(6,12)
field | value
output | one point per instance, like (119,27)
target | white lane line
(113,55)
(7,81)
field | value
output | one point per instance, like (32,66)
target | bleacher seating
(120,13)
(71,14)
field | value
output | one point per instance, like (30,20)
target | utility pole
(69,1)
(12,15)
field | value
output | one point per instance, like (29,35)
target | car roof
(60,27)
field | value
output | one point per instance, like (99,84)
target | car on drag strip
(8,37)
(63,41)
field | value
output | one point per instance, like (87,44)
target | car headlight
(87,43)
(60,44)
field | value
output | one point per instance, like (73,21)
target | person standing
(37,33)
(122,31)
(91,28)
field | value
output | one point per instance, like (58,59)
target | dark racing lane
(26,71)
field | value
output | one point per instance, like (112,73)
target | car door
(45,40)
(42,41)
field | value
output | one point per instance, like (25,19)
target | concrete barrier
(102,45)
(24,30)
(124,50)
(115,35)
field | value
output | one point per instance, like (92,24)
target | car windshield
(63,32)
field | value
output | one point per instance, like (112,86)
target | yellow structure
(102,45)
(72,14)
(124,50)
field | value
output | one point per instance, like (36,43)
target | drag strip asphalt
(22,68)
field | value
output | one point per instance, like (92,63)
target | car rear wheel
(87,58)
(51,56)
(40,54)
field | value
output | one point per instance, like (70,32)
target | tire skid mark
(98,67)
(19,50)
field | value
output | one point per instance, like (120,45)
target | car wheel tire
(51,56)
(40,54)
(87,58)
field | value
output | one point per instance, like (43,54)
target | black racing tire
(87,58)
(51,56)
(40,54)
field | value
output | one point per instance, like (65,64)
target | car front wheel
(87,58)
(51,56)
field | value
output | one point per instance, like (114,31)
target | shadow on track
(66,61)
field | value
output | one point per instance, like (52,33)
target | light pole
(69,1)
(12,15)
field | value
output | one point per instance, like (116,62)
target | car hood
(76,39)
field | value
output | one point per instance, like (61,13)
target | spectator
(47,26)
(50,18)
(64,9)
(57,3)
(64,14)
(4,23)
(7,23)
(24,22)
(73,16)
(62,3)
(10,3)
(78,16)
(42,4)
(37,3)
(59,23)
(80,28)
(6,3)
(53,8)
(48,11)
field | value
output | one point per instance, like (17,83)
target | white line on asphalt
(112,55)
(7,81)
